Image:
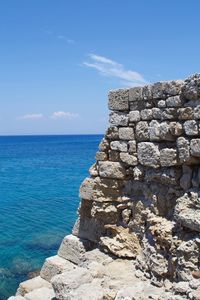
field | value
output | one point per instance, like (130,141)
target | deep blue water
(39,183)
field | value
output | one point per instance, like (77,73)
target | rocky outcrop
(140,205)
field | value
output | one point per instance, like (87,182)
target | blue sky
(59,58)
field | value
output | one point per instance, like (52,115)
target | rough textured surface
(141,203)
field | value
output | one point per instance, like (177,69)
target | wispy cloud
(64,115)
(31,117)
(59,36)
(108,67)
(63,37)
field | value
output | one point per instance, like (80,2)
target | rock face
(140,205)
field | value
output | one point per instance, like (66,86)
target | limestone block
(104,145)
(195,147)
(147,92)
(154,130)
(148,154)
(72,248)
(142,131)
(197,112)
(135,94)
(157,113)
(173,87)
(100,155)
(191,88)
(185,113)
(41,294)
(174,101)
(191,127)
(93,170)
(32,284)
(118,100)
(146,114)
(113,155)
(134,116)
(118,119)
(68,281)
(183,149)
(169,114)
(158,90)
(175,128)
(168,157)
(55,265)
(126,133)
(118,146)
(110,169)
(165,133)
(129,159)
(132,147)
(87,189)
(112,133)
(161,104)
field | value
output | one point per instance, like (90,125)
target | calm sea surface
(39,183)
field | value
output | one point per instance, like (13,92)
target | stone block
(129,159)
(32,284)
(191,88)
(104,145)
(191,127)
(135,94)
(146,114)
(195,147)
(108,169)
(112,133)
(154,131)
(100,155)
(197,112)
(55,265)
(161,104)
(175,128)
(113,155)
(148,154)
(16,298)
(183,149)
(118,99)
(118,119)
(157,113)
(72,248)
(165,133)
(142,131)
(185,113)
(169,114)
(126,133)
(174,101)
(168,157)
(87,189)
(41,294)
(118,146)
(134,116)
(132,147)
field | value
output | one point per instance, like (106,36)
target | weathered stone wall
(142,198)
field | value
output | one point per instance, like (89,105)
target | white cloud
(63,37)
(111,68)
(64,115)
(31,117)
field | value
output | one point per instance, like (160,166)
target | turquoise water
(39,182)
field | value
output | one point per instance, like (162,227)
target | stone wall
(142,198)
(138,231)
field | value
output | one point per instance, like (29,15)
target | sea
(40,178)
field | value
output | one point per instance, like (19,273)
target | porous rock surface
(138,231)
